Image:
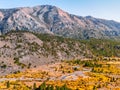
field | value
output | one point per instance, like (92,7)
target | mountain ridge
(52,20)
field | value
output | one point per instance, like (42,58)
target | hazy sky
(107,9)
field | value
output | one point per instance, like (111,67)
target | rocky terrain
(53,20)
(21,50)
(24,50)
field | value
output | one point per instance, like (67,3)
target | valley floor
(75,74)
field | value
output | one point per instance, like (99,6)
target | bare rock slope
(52,20)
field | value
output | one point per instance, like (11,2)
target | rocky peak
(53,20)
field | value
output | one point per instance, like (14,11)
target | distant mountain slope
(52,20)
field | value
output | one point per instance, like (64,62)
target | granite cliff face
(52,20)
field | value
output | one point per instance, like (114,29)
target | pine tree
(52,88)
(8,84)
(34,86)
(48,88)
(57,88)
(94,88)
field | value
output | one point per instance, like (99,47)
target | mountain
(24,50)
(52,20)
